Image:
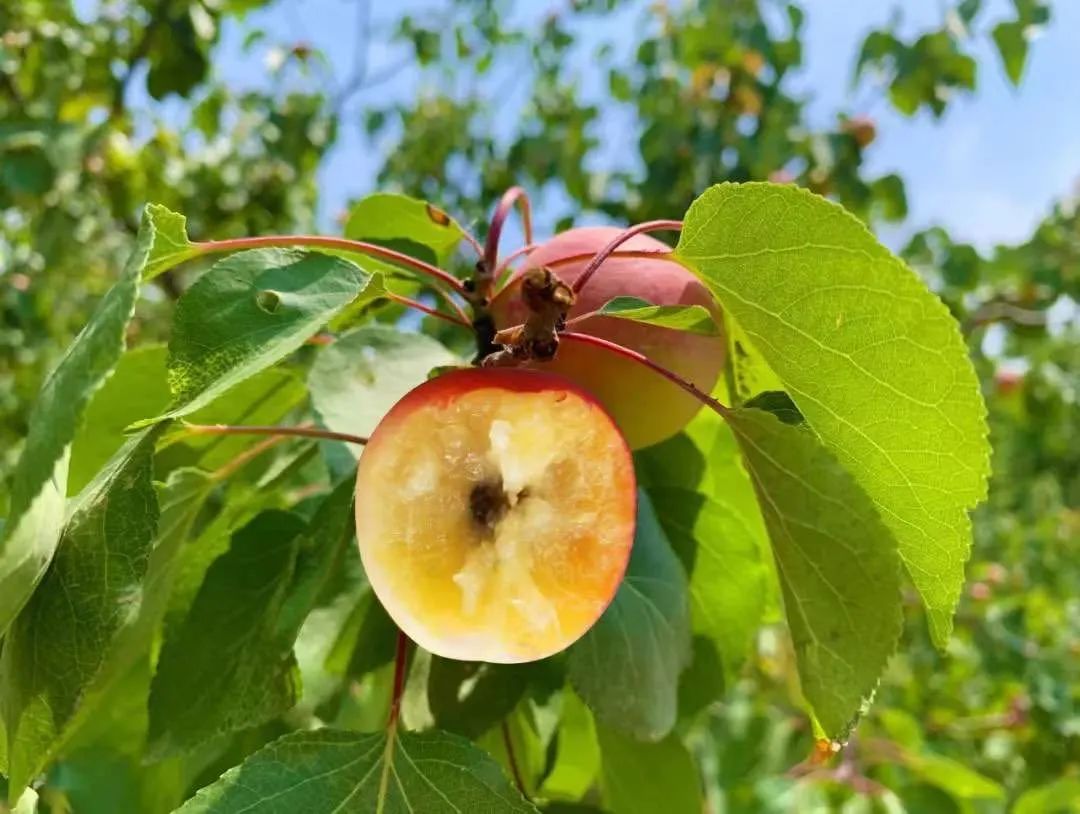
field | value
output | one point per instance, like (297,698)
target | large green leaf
(626,668)
(136,389)
(387,218)
(577,752)
(355,381)
(35,517)
(690,318)
(230,665)
(226,668)
(719,549)
(872,359)
(328,771)
(645,778)
(837,562)
(56,650)
(248,312)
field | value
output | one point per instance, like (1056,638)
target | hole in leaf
(269,301)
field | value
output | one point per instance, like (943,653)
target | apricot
(495,513)
(647,408)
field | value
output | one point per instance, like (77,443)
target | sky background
(988,170)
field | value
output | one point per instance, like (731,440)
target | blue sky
(988,170)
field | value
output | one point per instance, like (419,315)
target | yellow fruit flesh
(496,525)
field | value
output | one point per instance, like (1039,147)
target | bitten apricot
(495,513)
(647,408)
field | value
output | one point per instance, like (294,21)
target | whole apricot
(647,408)
(495,513)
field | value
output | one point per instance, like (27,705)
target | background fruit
(647,408)
(495,513)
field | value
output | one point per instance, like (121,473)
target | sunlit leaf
(871,358)
(837,564)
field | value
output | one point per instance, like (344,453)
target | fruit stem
(618,240)
(514,195)
(401,658)
(462,319)
(642,359)
(323,241)
(512,760)
(303,432)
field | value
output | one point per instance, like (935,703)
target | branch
(301,432)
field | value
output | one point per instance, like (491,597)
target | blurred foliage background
(107,105)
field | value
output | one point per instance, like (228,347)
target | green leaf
(690,318)
(57,648)
(226,668)
(626,668)
(356,380)
(385,217)
(644,778)
(1011,41)
(718,546)
(136,389)
(248,312)
(837,564)
(230,665)
(577,752)
(171,244)
(1058,797)
(265,398)
(328,771)
(319,556)
(36,512)
(470,698)
(871,358)
(952,777)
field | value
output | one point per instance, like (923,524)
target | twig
(512,760)
(301,432)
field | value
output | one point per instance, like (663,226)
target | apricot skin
(495,513)
(647,408)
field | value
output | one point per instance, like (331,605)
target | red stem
(625,235)
(512,760)
(642,359)
(358,246)
(419,306)
(302,432)
(401,658)
(514,195)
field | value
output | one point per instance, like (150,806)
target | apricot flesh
(495,513)
(647,408)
